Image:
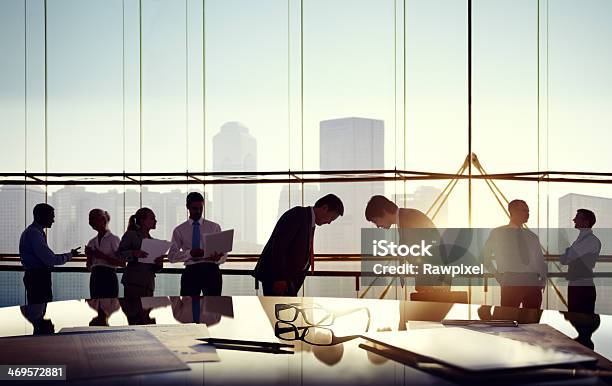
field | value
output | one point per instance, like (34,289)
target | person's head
(327,209)
(195,205)
(584,219)
(381,211)
(143,219)
(44,215)
(519,212)
(99,219)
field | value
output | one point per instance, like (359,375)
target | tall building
(16,204)
(292,196)
(235,206)
(349,144)
(601,206)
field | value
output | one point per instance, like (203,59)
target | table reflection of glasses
(314,335)
(313,315)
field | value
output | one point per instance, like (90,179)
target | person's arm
(578,249)
(487,255)
(543,264)
(176,252)
(44,253)
(89,254)
(129,247)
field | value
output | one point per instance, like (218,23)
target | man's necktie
(195,308)
(195,236)
(312,249)
(522,246)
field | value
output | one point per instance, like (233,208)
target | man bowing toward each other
(289,252)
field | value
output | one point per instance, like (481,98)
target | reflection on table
(324,332)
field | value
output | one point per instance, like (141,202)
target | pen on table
(490,323)
(244,342)
(533,372)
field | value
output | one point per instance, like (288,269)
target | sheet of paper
(93,354)
(220,242)
(181,339)
(501,353)
(154,248)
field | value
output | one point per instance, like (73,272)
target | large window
(242,86)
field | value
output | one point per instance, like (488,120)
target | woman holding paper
(102,261)
(139,277)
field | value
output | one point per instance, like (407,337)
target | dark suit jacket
(413,218)
(286,255)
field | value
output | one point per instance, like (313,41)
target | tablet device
(474,351)
(220,242)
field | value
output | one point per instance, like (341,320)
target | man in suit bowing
(413,226)
(289,252)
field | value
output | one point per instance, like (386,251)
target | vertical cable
(469,113)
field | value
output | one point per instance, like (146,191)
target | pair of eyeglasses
(314,335)
(314,315)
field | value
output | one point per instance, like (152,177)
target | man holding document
(202,273)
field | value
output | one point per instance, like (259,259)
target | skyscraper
(235,206)
(601,206)
(292,196)
(349,144)
(16,204)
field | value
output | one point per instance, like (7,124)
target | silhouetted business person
(201,274)
(139,278)
(289,252)
(580,258)
(102,261)
(37,258)
(413,226)
(519,266)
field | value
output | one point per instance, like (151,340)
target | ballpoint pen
(244,342)
(489,323)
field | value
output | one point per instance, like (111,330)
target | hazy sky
(353,62)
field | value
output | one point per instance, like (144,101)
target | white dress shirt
(180,250)
(108,245)
(510,256)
